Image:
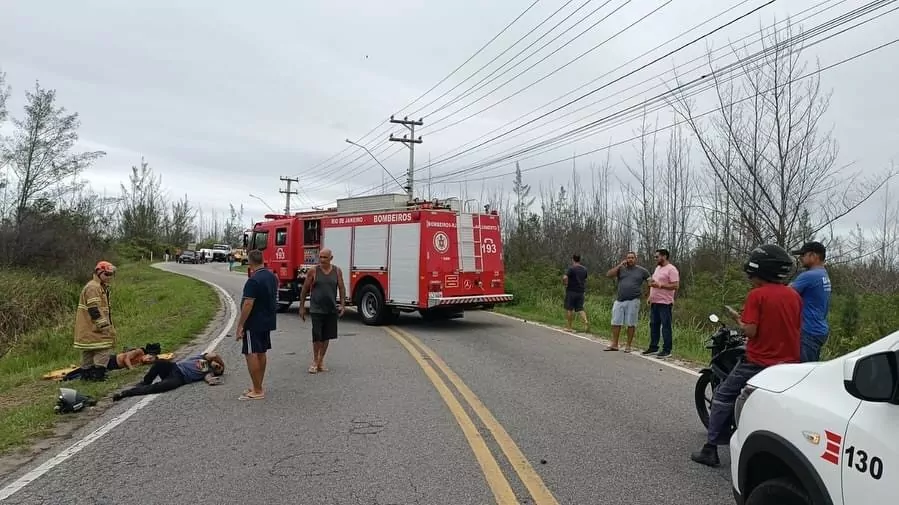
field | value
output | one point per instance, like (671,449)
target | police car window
(281,236)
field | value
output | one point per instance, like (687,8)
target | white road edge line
(597,341)
(28,478)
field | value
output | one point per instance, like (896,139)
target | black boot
(86,373)
(99,373)
(707,456)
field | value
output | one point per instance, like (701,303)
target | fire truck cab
(396,255)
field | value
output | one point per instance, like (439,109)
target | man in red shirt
(771,320)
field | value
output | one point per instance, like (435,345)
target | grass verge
(856,319)
(689,343)
(148,305)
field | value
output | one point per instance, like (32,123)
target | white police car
(822,433)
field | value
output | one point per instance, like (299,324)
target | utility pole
(288,192)
(410,143)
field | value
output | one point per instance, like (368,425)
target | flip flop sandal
(313,369)
(610,349)
(247,396)
(323,369)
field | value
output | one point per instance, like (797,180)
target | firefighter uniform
(95,335)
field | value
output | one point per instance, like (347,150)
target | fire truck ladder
(469,243)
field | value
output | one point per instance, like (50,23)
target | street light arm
(379,163)
(263,202)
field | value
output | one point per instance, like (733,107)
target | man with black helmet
(770,319)
(813,286)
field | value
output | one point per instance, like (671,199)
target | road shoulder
(77,426)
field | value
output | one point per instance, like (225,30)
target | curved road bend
(393,422)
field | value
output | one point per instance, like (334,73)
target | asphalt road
(582,426)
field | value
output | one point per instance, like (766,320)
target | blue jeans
(723,401)
(660,326)
(810,347)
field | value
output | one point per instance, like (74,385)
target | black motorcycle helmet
(769,262)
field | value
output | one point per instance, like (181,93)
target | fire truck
(396,255)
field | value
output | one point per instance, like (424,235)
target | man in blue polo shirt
(258,319)
(813,285)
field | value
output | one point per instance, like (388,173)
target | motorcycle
(728,347)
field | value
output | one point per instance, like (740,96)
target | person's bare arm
(341,289)
(245,308)
(613,272)
(127,360)
(671,286)
(307,286)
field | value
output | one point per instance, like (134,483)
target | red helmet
(105,267)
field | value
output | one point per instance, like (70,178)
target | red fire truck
(396,255)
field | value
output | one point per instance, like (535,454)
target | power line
(440,157)
(832,23)
(620,116)
(471,88)
(678,123)
(360,140)
(475,54)
(682,47)
(594,48)
(600,88)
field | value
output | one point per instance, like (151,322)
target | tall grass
(148,305)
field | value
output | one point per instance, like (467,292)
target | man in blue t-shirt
(258,318)
(813,286)
(174,374)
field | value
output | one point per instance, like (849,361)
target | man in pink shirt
(664,283)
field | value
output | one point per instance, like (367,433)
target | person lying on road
(129,359)
(174,374)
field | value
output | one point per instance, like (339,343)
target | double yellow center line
(496,480)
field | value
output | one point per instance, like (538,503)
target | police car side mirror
(873,378)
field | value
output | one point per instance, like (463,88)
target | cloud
(223,98)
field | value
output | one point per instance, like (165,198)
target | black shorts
(574,301)
(256,342)
(324,327)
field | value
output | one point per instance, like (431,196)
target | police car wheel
(780,491)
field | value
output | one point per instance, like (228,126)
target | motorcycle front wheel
(703,395)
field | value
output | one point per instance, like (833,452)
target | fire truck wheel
(371,305)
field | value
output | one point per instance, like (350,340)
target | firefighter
(95,335)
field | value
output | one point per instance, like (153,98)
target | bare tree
(767,149)
(4,171)
(39,154)
(233,230)
(142,211)
(523,198)
(180,223)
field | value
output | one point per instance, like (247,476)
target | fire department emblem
(279,254)
(441,242)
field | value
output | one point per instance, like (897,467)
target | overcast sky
(223,97)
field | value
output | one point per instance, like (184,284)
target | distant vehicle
(204,255)
(396,255)
(220,252)
(187,257)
